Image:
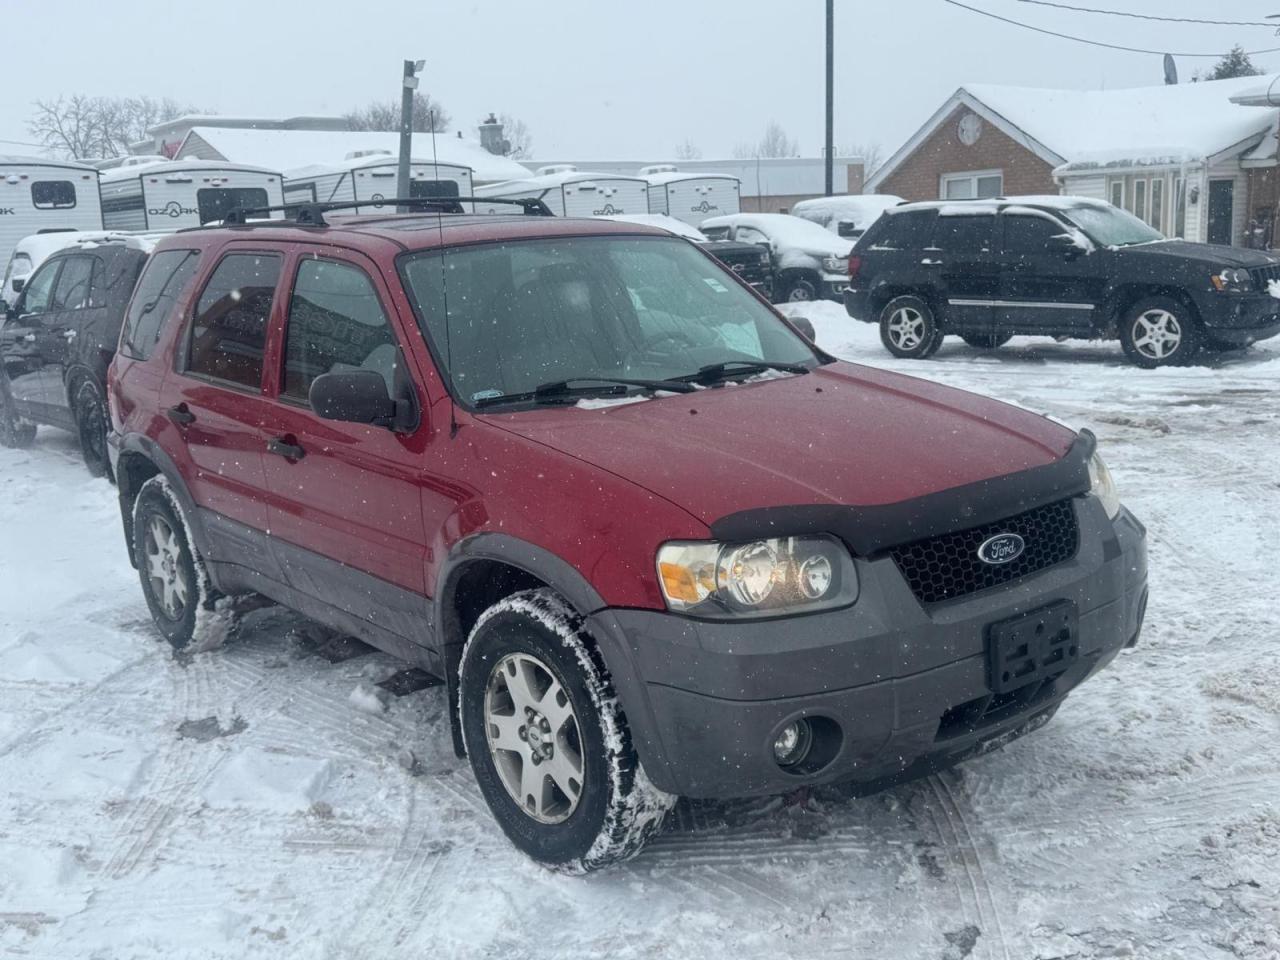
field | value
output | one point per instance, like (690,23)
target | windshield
(505,318)
(1110,227)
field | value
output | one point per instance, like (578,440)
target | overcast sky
(593,78)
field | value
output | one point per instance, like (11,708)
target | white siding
(170,200)
(605,198)
(122,205)
(21,217)
(1093,186)
(693,200)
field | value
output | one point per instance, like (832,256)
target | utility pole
(831,85)
(409,85)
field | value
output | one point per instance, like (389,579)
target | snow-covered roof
(670,224)
(169,167)
(549,181)
(39,247)
(967,208)
(787,230)
(362,163)
(13,160)
(292,149)
(1264,93)
(859,209)
(1087,129)
(659,179)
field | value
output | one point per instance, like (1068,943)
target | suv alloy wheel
(908,328)
(1159,332)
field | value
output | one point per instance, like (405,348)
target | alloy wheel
(164,568)
(1157,334)
(534,738)
(906,328)
(799,294)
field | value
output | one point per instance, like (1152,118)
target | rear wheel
(800,290)
(986,341)
(15,432)
(909,329)
(548,741)
(1160,332)
(91,424)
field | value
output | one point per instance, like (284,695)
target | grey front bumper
(904,682)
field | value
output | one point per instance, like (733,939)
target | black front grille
(946,567)
(1262,275)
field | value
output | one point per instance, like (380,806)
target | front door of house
(1221,198)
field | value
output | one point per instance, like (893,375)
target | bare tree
(517,134)
(428,115)
(774,143)
(83,126)
(688,150)
(870,153)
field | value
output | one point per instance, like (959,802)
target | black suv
(1065,267)
(57,341)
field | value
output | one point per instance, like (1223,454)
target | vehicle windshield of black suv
(1111,227)
(506,318)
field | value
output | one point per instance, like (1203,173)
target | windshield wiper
(558,390)
(722,371)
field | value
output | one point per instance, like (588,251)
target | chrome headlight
(835,264)
(762,578)
(1103,487)
(1228,280)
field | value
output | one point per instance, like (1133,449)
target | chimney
(491,136)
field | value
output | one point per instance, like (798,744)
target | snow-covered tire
(190,614)
(91,425)
(616,809)
(908,328)
(15,432)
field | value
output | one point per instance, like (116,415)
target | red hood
(844,434)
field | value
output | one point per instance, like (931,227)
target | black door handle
(180,415)
(283,448)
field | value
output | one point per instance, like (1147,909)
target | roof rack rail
(312,214)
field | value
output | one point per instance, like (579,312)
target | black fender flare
(136,444)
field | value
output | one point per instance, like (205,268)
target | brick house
(1194,160)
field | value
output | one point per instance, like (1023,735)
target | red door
(345,503)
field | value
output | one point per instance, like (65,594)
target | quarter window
(53,194)
(336,322)
(228,332)
(165,279)
(74,283)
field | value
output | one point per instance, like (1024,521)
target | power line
(1096,43)
(1149,16)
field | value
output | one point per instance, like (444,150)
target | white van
(371,175)
(692,197)
(571,193)
(38,195)
(847,216)
(170,195)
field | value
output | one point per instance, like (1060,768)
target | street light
(409,84)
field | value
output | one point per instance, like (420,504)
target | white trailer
(173,194)
(570,192)
(691,197)
(38,195)
(371,175)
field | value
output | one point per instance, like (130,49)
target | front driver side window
(1029,235)
(39,290)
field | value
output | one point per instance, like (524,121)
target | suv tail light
(855,266)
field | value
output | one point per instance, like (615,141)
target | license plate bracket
(1032,647)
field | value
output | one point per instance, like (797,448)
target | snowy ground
(243,803)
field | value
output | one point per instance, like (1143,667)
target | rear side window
(964,234)
(53,194)
(215,203)
(901,231)
(164,280)
(229,330)
(336,322)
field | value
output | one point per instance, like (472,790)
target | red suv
(653,539)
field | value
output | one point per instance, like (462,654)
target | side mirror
(1065,246)
(354,396)
(805,326)
(18,284)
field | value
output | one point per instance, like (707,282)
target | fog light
(793,743)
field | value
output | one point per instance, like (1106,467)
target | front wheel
(801,290)
(548,741)
(91,424)
(909,329)
(1160,332)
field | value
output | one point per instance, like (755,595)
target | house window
(972,186)
(1157,203)
(1179,207)
(1117,193)
(1140,199)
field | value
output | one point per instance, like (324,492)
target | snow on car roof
(861,209)
(1134,126)
(970,208)
(40,247)
(786,229)
(292,149)
(671,224)
(162,167)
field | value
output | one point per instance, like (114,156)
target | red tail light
(855,265)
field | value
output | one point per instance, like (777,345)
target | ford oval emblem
(1002,548)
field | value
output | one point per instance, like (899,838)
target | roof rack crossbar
(312,214)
